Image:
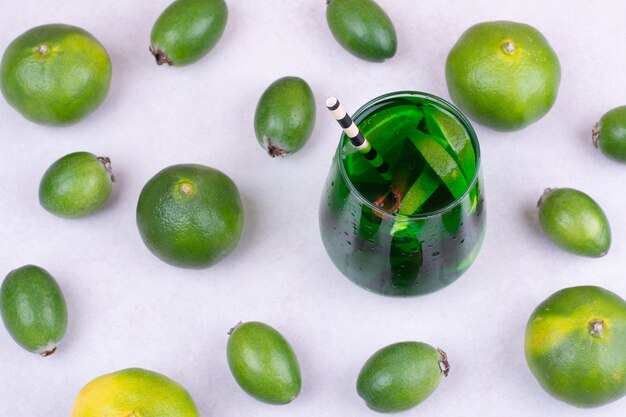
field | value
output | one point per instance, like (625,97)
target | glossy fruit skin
(571,362)
(76,185)
(506,86)
(190,215)
(363,28)
(33,309)
(263,363)
(610,134)
(55,74)
(285,116)
(399,376)
(134,392)
(575,222)
(187,30)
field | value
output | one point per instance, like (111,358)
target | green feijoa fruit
(363,28)
(76,185)
(400,376)
(609,134)
(263,363)
(33,309)
(575,222)
(187,30)
(285,116)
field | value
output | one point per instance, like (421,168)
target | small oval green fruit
(575,222)
(55,74)
(263,363)
(33,309)
(575,345)
(609,134)
(76,185)
(363,28)
(285,116)
(190,215)
(187,30)
(134,392)
(400,376)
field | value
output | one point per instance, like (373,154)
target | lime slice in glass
(441,162)
(442,124)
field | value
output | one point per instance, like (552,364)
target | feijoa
(575,222)
(400,376)
(76,185)
(33,309)
(609,134)
(285,116)
(363,28)
(263,363)
(187,30)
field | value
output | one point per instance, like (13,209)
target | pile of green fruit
(502,74)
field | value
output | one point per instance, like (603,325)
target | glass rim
(447,106)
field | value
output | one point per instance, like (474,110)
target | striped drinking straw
(356,138)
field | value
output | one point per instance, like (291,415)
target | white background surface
(127,308)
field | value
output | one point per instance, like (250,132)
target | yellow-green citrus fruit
(190,215)
(504,75)
(134,393)
(576,346)
(55,74)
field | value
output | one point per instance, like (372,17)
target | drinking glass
(421,231)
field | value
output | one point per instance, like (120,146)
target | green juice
(420,231)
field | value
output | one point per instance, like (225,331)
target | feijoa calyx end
(285,116)
(187,30)
(609,134)
(411,372)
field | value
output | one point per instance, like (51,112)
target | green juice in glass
(420,231)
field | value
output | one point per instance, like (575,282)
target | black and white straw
(356,138)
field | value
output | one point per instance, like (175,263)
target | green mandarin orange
(134,392)
(504,75)
(575,345)
(55,74)
(190,215)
